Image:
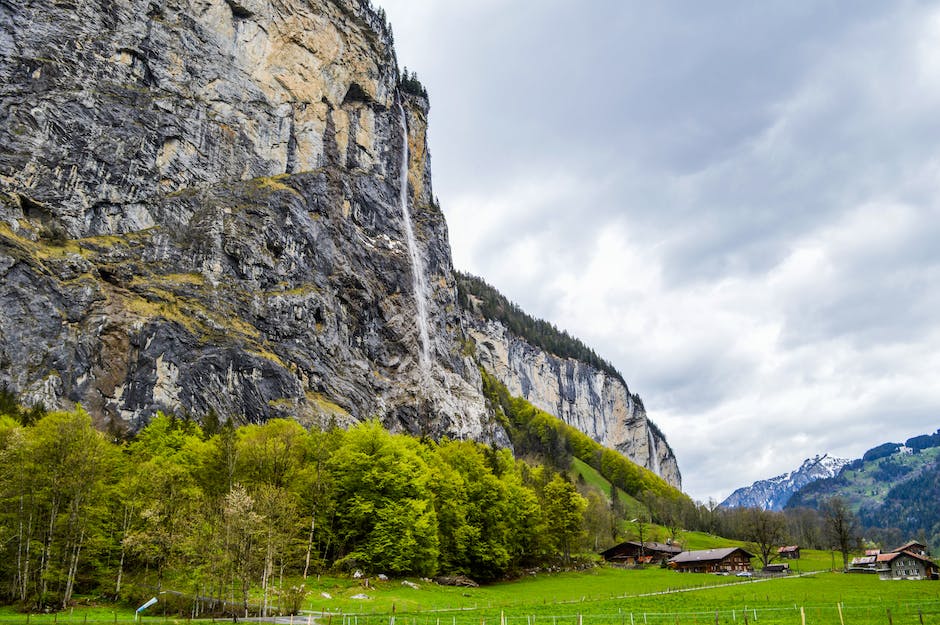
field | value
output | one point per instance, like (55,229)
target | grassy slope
(593,478)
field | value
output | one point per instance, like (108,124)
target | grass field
(603,595)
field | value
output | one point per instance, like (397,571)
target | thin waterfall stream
(419,279)
(654,457)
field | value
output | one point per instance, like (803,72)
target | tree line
(220,511)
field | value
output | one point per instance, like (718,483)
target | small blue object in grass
(149,603)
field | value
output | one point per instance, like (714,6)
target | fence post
(841,620)
(802,615)
(890,620)
(716,617)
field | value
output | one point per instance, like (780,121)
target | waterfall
(654,457)
(419,280)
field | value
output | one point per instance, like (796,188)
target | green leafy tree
(56,493)
(564,509)
(385,520)
(473,508)
(272,453)
(165,492)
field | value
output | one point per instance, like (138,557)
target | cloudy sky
(736,203)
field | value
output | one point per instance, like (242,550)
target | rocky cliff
(584,396)
(200,210)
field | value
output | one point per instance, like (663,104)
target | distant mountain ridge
(774,493)
(893,487)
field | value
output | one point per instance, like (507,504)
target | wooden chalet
(632,552)
(726,560)
(906,565)
(790,552)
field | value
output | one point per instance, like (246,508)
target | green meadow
(601,595)
(648,596)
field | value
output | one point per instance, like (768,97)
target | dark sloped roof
(909,546)
(708,555)
(651,546)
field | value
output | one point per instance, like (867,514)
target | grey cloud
(719,140)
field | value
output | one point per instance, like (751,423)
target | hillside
(559,374)
(894,487)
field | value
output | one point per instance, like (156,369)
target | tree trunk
(47,546)
(313,525)
(125,525)
(73,569)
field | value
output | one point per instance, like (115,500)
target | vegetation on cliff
(409,83)
(535,432)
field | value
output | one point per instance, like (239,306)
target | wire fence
(923,614)
(914,613)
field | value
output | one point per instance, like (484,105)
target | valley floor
(600,596)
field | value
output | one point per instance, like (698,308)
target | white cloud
(738,206)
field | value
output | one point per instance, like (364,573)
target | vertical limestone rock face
(589,399)
(199,210)
(111,103)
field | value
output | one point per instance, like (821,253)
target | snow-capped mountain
(774,493)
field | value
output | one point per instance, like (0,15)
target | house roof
(888,557)
(708,555)
(777,566)
(650,546)
(911,547)
(788,549)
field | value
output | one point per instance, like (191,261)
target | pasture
(599,596)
